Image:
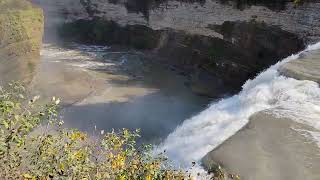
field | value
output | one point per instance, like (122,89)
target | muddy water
(107,88)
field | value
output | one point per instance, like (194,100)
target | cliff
(217,44)
(195,16)
(21,29)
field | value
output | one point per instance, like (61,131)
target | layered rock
(217,44)
(21,28)
(270,147)
(195,16)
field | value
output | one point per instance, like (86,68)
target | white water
(202,133)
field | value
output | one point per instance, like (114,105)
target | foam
(200,134)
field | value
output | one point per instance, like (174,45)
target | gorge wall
(217,44)
(21,28)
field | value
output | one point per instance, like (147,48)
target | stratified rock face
(270,148)
(306,67)
(196,16)
(21,29)
(217,44)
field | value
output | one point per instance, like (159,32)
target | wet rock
(21,28)
(270,147)
(307,67)
(100,31)
(262,41)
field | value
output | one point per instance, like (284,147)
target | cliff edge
(21,30)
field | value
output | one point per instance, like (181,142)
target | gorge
(209,82)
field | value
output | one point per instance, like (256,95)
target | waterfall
(200,134)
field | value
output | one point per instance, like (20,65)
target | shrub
(33,145)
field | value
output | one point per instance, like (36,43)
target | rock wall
(196,16)
(21,28)
(214,66)
(217,44)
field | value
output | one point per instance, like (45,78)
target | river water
(110,88)
(105,88)
(195,137)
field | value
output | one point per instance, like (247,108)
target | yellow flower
(122,177)
(77,135)
(28,176)
(61,166)
(77,155)
(148,177)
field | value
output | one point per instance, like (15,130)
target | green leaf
(5,124)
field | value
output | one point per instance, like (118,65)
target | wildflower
(148,177)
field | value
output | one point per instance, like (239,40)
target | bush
(33,145)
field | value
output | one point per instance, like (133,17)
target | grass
(21,29)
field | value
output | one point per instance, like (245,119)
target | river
(297,99)
(107,88)
(113,88)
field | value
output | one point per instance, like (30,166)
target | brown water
(108,89)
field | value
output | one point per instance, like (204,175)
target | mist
(57,12)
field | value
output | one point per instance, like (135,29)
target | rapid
(200,134)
